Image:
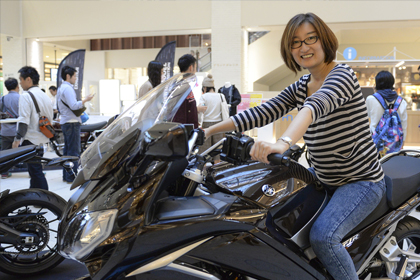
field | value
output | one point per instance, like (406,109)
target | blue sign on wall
(350,53)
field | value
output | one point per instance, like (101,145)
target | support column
(12,42)
(227,44)
(35,56)
(13,53)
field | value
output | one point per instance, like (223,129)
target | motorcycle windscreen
(119,140)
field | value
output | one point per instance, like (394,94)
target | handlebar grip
(278,159)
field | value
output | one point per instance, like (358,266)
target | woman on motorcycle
(333,121)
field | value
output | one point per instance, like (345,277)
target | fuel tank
(262,183)
(291,194)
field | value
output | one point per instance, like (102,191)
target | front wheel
(20,259)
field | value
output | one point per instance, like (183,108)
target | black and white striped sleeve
(267,112)
(338,88)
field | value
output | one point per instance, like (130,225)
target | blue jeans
(348,207)
(38,180)
(71,132)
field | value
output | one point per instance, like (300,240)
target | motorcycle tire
(33,200)
(58,143)
(406,233)
(408,228)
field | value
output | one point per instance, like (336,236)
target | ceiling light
(37,39)
(47,56)
(400,68)
(400,63)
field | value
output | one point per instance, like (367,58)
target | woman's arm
(221,127)
(295,131)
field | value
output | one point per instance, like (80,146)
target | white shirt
(213,101)
(375,112)
(54,102)
(29,116)
(67,94)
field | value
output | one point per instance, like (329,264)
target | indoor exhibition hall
(209,139)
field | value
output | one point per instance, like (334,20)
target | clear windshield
(159,105)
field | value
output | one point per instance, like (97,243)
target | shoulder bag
(7,112)
(44,123)
(77,112)
(224,108)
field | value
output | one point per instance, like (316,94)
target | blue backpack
(388,135)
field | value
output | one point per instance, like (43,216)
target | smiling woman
(333,121)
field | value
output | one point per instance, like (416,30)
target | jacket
(236,98)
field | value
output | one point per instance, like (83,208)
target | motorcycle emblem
(268,190)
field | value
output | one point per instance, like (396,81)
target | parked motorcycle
(88,134)
(29,219)
(147,207)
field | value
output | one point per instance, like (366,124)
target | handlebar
(279,159)
(236,150)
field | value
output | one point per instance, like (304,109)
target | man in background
(187,113)
(70,123)
(28,132)
(9,104)
(53,91)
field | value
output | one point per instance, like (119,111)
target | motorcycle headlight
(86,231)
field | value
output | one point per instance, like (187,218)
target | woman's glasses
(308,41)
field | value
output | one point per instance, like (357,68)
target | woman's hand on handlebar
(260,150)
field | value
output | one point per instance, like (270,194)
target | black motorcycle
(148,207)
(29,219)
(88,134)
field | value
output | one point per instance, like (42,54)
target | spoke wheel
(408,235)
(35,256)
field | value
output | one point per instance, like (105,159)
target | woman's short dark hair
(327,38)
(29,71)
(67,70)
(384,80)
(11,84)
(154,72)
(53,88)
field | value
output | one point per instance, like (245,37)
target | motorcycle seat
(403,181)
(7,155)
(92,127)
(402,178)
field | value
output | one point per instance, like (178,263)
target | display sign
(249,101)
(350,53)
(166,56)
(76,60)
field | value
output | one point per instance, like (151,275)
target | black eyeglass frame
(301,42)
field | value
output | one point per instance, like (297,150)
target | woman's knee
(318,237)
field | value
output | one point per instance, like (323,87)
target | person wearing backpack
(9,104)
(388,115)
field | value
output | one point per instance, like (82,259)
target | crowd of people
(34,103)
(333,118)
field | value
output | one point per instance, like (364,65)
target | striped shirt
(338,139)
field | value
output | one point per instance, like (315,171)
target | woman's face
(308,56)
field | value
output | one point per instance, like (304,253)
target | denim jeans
(71,132)
(348,207)
(38,180)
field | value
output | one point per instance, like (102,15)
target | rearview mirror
(167,140)
(68,165)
